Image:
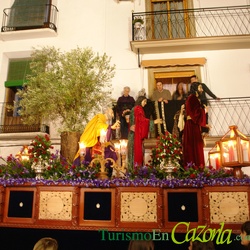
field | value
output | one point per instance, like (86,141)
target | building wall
(106,27)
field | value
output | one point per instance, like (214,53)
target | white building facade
(106,27)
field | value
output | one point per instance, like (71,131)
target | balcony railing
(192,23)
(11,122)
(29,17)
(229,111)
(222,114)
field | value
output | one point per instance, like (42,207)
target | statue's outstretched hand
(116,125)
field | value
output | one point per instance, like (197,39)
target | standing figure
(203,97)
(124,105)
(179,93)
(192,138)
(139,128)
(245,234)
(160,94)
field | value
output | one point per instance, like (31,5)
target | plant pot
(137,25)
(69,145)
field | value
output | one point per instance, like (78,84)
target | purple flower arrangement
(15,171)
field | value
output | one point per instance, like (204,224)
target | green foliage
(138,20)
(66,86)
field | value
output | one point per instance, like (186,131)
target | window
(18,69)
(170,79)
(167,24)
(29,14)
(171,75)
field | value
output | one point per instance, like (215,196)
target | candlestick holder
(103,174)
(82,157)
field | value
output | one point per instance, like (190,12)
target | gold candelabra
(121,152)
(103,174)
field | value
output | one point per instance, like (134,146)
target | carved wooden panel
(57,204)
(139,207)
(228,205)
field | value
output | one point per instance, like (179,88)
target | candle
(118,152)
(231,151)
(117,147)
(103,133)
(226,157)
(217,161)
(123,144)
(82,148)
(244,146)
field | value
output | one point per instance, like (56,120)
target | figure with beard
(195,119)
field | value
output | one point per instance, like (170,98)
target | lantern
(214,156)
(234,151)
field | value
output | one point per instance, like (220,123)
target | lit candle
(117,147)
(217,161)
(118,152)
(82,148)
(103,134)
(217,156)
(231,151)
(123,144)
(245,146)
(226,157)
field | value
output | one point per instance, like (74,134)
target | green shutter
(17,73)
(14,83)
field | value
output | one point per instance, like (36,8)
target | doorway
(170,76)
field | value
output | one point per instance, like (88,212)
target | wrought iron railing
(229,111)
(192,23)
(222,114)
(11,122)
(29,17)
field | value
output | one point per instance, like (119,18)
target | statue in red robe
(192,138)
(139,129)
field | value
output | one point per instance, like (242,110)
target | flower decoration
(14,168)
(167,147)
(57,170)
(191,171)
(40,148)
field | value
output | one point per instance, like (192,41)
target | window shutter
(17,73)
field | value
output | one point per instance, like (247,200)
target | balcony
(11,122)
(222,114)
(191,30)
(32,21)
